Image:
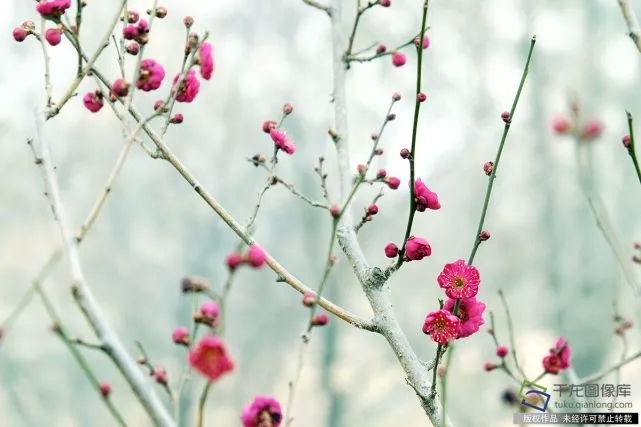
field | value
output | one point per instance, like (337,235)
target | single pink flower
(424,197)
(188,88)
(426,42)
(391,250)
(180,336)
(93,101)
(559,357)
(52,9)
(470,312)
(20,34)
(263,411)
(132,16)
(399,59)
(130,32)
(442,326)
(282,141)
(105,389)
(255,256)
(561,125)
(151,75)
(142,27)
(552,364)
(489,366)
(53,36)
(209,357)
(417,248)
(459,280)
(119,88)
(320,319)
(160,374)
(392,182)
(206,60)
(268,125)
(501,351)
(209,310)
(592,130)
(562,349)
(233,260)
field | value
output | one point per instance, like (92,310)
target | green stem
(490,184)
(506,129)
(448,362)
(30,292)
(631,150)
(417,108)
(201,404)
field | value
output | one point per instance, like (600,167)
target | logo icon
(531,389)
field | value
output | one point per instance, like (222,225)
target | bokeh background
(556,270)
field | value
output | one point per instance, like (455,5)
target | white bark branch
(142,387)
(634,31)
(373,280)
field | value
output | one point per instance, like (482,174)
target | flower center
(459,282)
(462,314)
(265,419)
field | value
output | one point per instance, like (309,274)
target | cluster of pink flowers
(461,283)
(399,58)
(559,357)
(137,29)
(210,358)
(416,248)
(590,130)
(255,257)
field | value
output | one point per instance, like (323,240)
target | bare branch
(597,377)
(141,386)
(165,152)
(319,6)
(634,31)
(373,280)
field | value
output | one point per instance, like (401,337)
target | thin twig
(598,208)
(319,6)
(360,11)
(201,404)
(130,96)
(71,90)
(30,292)
(77,355)
(631,146)
(595,378)
(82,343)
(510,328)
(45,55)
(85,298)
(292,189)
(412,155)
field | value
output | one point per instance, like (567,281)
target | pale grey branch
(142,387)
(634,31)
(373,280)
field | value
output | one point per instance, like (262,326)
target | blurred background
(558,274)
